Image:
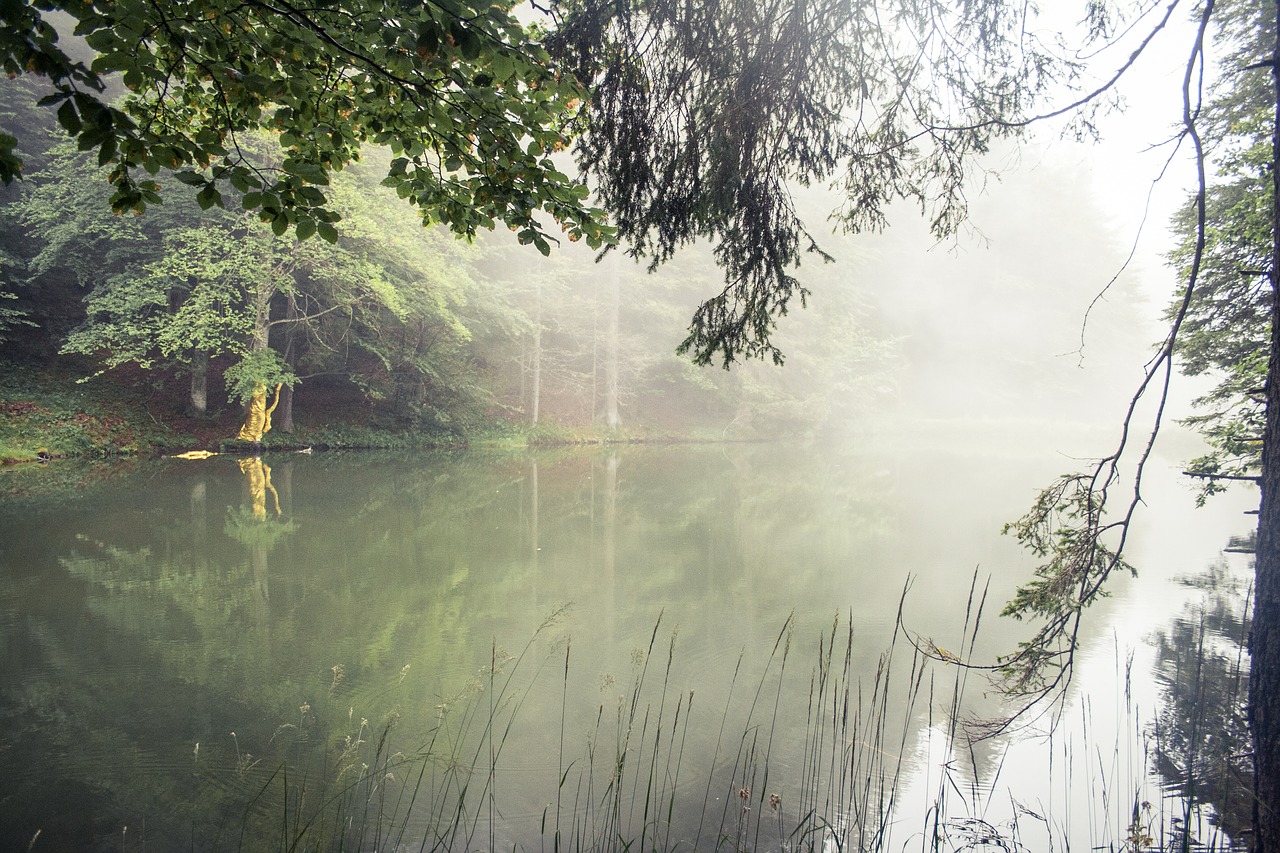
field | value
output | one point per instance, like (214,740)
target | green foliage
(1225,333)
(1064,528)
(693,120)
(191,299)
(255,370)
(180,286)
(9,315)
(466,98)
(704,116)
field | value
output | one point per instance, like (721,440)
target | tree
(703,117)
(1224,333)
(699,119)
(178,287)
(135,313)
(1230,311)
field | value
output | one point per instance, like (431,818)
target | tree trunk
(536,392)
(285,415)
(610,545)
(1264,641)
(611,419)
(595,364)
(199,383)
(257,418)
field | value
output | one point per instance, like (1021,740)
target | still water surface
(178,637)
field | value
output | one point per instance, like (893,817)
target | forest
(393,326)
(399,333)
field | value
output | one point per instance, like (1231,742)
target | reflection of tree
(253,528)
(259,479)
(1202,736)
(259,535)
(419,561)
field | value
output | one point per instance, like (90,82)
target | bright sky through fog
(1134,159)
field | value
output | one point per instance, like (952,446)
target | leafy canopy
(703,116)
(461,91)
(693,120)
(1227,328)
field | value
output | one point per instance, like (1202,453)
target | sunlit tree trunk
(257,416)
(1264,642)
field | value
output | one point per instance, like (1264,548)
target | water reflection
(255,529)
(311,604)
(1201,733)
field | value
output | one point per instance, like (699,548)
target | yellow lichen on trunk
(257,419)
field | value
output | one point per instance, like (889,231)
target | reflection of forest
(1201,734)
(289,602)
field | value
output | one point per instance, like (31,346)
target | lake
(493,649)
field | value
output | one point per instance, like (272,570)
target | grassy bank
(48,414)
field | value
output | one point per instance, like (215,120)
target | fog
(1034,313)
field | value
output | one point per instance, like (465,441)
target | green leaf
(107,152)
(208,197)
(469,45)
(428,40)
(69,118)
